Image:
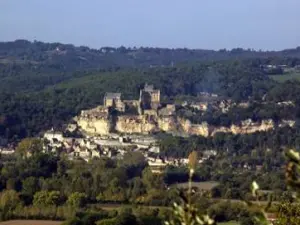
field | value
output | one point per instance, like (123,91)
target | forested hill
(44,85)
(67,57)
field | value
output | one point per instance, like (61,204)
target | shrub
(77,200)
(9,200)
(107,222)
(46,198)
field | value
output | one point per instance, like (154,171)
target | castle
(114,100)
(147,116)
(148,103)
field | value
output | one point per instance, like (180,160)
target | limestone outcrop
(135,124)
(167,124)
(97,126)
(94,121)
(98,122)
(246,127)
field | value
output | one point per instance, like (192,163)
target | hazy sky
(208,24)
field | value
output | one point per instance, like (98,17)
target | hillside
(36,65)
(70,57)
(46,84)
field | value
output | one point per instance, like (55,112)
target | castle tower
(114,100)
(149,97)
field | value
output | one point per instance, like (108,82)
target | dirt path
(30,222)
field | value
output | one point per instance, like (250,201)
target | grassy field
(110,207)
(30,222)
(284,77)
(206,186)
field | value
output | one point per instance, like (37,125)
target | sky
(202,24)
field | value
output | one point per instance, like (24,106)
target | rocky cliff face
(246,127)
(202,129)
(95,126)
(167,124)
(136,124)
(145,124)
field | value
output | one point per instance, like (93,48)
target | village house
(201,106)
(53,136)
(111,146)
(84,153)
(286,103)
(208,153)
(6,150)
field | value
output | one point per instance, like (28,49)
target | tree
(107,222)
(133,158)
(289,213)
(29,146)
(126,219)
(137,188)
(77,200)
(12,184)
(9,200)
(134,163)
(30,185)
(151,180)
(46,198)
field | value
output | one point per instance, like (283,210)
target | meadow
(203,186)
(284,77)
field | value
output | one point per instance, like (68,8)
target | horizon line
(149,46)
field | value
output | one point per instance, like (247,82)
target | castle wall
(108,102)
(155,96)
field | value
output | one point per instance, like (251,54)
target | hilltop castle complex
(148,115)
(149,100)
